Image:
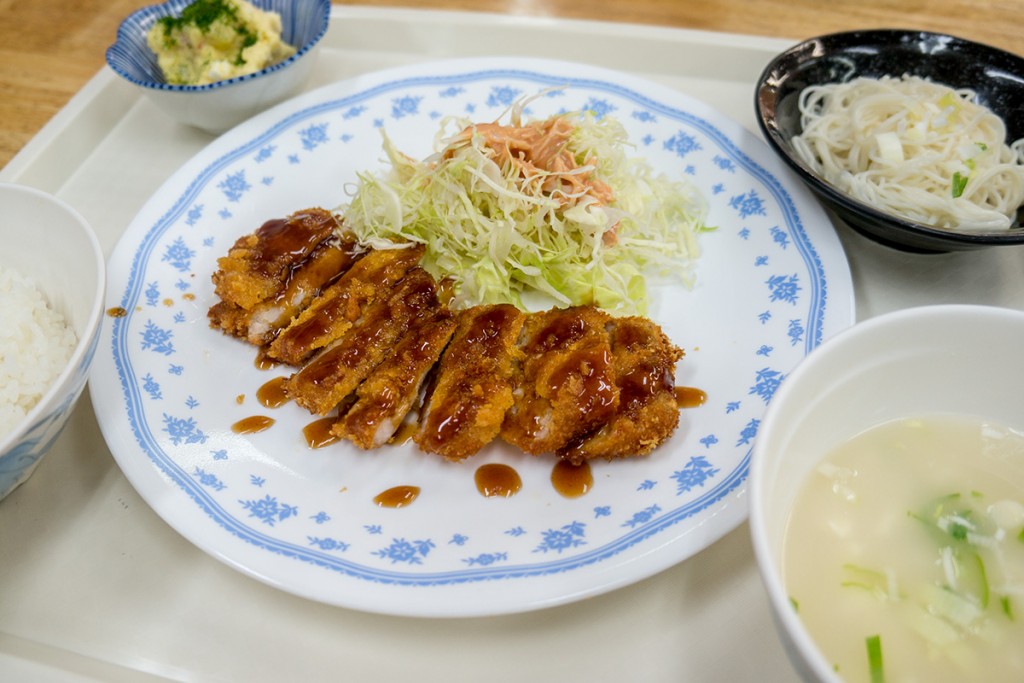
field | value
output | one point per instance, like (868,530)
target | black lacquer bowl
(995,75)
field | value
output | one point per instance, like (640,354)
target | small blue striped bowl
(216,107)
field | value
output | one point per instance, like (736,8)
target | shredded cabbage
(582,223)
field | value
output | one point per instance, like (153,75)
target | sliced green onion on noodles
(874,645)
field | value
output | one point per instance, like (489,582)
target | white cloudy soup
(904,553)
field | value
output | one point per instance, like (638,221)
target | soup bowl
(945,359)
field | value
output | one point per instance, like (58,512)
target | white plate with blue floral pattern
(771,284)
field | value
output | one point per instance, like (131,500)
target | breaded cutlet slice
(645,363)
(385,397)
(331,315)
(257,265)
(260,324)
(472,385)
(336,371)
(566,386)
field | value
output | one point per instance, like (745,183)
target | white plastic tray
(95,586)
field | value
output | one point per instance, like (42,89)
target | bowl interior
(925,361)
(46,240)
(996,76)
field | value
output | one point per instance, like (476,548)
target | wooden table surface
(50,48)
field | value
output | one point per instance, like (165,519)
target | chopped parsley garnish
(201,14)
(205,13)
(248,40)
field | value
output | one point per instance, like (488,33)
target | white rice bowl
(36,344)
(52,286)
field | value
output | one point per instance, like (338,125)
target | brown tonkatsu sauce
(644,382)
(560,333)
(263,361)
(253,424)
(495,480)
(272,394)
(397,496)
(690,397)
(597,391)
(572,481)
(284,240)
(318,433)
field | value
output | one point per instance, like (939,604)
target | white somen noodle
(914,148)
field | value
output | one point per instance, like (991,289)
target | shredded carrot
(539,150)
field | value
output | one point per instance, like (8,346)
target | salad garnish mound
(550,207)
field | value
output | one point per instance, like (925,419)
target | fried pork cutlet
(385,398)
(256,267)
(472,387)
(371,334)
(331,315)
(260,324)
(566,386)
(336,371)
(645,361)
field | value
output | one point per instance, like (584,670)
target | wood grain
(50,48)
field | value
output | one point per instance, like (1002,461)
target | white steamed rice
(35,346)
